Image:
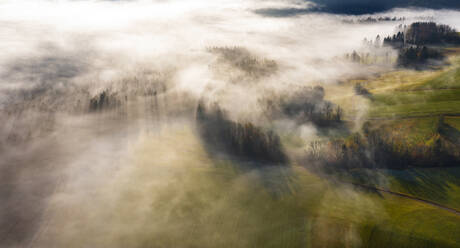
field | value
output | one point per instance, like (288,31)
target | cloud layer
(156,59)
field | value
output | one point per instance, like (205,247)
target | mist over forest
(229,123)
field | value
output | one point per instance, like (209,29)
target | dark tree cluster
(148,89)
(396,41)
(390,151)
(361,90)
(414,41)
(242,140)
(430,33)
(104,100)
(423,33)
(416,56)
(307,105)
(376,148)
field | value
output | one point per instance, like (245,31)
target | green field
(180,196)
(440,185)
(411,94)
(415,103)
(402,93)
(406,103)
(415,131)
(447,79)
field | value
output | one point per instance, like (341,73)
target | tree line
(376,148)
(414,42)
(416,56)
(241,140)
(306,104)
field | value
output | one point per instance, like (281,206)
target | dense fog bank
(91,90)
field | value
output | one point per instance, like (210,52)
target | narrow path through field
(452,210)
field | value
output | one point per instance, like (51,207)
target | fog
(121,174)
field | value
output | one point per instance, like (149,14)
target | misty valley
(228,123)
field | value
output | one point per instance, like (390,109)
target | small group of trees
(412,42)
(374,55)
(430,33)
(416,56)
(376,148)
(354,57)
(396,41)
(103,100)
(307,105)
(361,90)
(373,43)
(147,87)
(389,150)
(242,59)
(422,34)
(242,140)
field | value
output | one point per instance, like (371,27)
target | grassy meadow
(224,203)
(407,104)
(404,94)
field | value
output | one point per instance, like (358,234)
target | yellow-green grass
(175,193)
(446,80)
(344,96)
(415,103)
(416,93)
(415,131)
(440,185)
(382,87)
(453,122)
(402,93)
(410,131)
(395,79)
(406,80)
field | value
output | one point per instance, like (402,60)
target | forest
(242,140)
(415,43)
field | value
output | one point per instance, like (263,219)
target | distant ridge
(358,7)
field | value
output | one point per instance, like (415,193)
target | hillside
(415,110)
(224,203)
(357,7)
